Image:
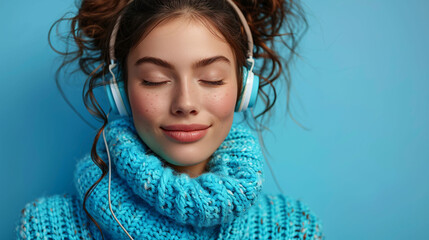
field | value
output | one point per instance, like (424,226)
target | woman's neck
(193,171)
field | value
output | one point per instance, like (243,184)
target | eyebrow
(201,63)
(207,61)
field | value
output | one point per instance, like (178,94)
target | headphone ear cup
(117,97)
(254,92)
(249,91)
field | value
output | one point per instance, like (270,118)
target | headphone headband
(233,5)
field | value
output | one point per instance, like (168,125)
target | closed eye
(149,83)
(219,82)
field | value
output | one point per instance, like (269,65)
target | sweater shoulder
(276,217)
(295,218)
(53,217)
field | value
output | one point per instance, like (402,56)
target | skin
(183,92)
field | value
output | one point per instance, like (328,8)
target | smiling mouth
(185,133)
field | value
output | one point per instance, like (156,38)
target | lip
(185,133)
(185,127)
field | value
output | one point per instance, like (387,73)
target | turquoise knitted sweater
(152,201)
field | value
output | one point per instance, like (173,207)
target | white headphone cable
(110,203)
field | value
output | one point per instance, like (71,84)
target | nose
(185,100)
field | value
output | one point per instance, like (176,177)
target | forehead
(182,41)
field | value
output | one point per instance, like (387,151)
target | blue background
(361,87)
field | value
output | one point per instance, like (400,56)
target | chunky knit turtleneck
(141,184)
(152,201)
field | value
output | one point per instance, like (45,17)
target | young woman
(177,165)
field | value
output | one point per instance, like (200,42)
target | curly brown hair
(91,27)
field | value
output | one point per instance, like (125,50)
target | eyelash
(148,83)
(218,83)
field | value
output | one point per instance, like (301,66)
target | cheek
(145,106)
(222,104)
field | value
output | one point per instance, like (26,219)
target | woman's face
(182,88)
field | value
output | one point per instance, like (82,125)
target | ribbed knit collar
(226,191)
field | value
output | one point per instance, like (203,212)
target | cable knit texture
(153,201)
(226,191)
